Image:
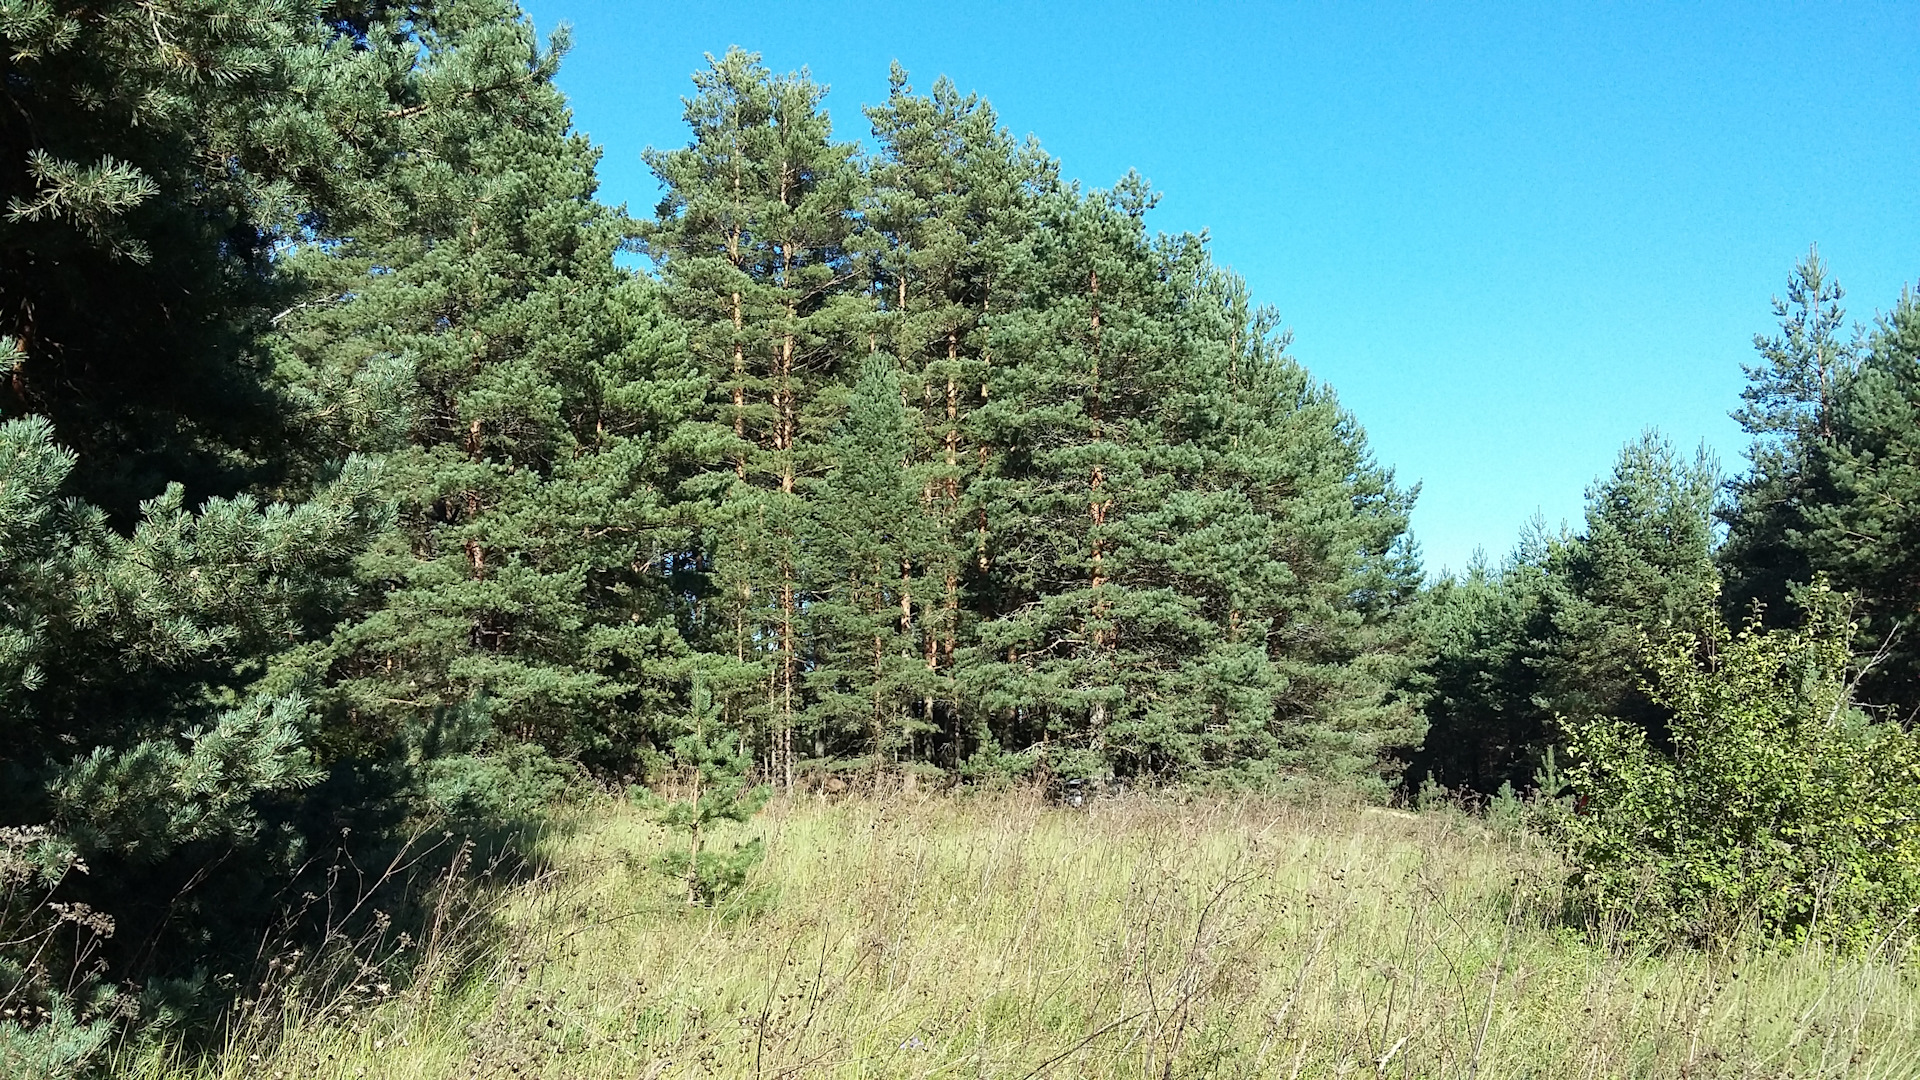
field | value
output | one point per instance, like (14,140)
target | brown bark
(986,371)
(906,596)
(1097,502)
(739,389)
(23,341)
(1097,510)
(787,672)
(953,418)
(878,717)
(739,351)
(476,556)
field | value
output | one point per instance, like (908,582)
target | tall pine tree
(758,245)
(518,385)
(953,194)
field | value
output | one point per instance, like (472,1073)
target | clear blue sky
(1510,236)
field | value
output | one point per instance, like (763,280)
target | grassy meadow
(997,936)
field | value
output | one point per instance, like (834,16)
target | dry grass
(997,937)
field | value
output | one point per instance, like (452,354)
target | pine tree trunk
(878,718)
(986,372)
(693,848)
(953,420)
(787,672)
(1096,506)
(739,392)
(739,350)
(1097,511)
(476,555)
(786,422)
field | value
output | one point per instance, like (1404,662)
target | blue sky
(1510,236)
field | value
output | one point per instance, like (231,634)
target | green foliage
(1864,530)
(987,468)
(518,782)
(1554,634)
(134,736)
(869,535)
(759,251)
(40,1035)
(1642,567)
(1833,483)
(130,651)
(179,519)
(1780,808)
(1789,411)
(714,769)
(1171,497)
(153,162)
(55,1044)
(517,385)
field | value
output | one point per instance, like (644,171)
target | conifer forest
(382,512)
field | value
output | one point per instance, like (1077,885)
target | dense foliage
(1554,635)
(1752,781)
(1780,808)
(989,478)
(347,477)
(350,480)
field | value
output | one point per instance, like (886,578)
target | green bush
(1779,810)
(517,782)
(51,1042)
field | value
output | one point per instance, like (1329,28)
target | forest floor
(996,936)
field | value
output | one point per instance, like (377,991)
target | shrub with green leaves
(1780,809)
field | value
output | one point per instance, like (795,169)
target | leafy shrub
(1780,808)
(53,1043)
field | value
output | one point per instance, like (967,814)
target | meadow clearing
(999,936)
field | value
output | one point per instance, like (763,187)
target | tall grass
(998,937)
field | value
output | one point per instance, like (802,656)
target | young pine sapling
(716,765)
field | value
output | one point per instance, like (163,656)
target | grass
(994,936)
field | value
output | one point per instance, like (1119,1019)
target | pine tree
(1642,568)
(758,246)
(871,542)
(157,162)
(953,193)
(1831,420)
(1340,571)
(1557,638)
(1864,529)
(1489,723)
(1789,408)
(151,164)
(137,734)
(1079,352)
(527,384)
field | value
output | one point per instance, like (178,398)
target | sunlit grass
(998,937)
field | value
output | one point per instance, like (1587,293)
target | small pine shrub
(52,1042)
(45,945)
(1507,812)
(1780,810)
(1432,795)
(515,783)
(716,767)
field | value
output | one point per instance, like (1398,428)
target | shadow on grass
(395,895)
